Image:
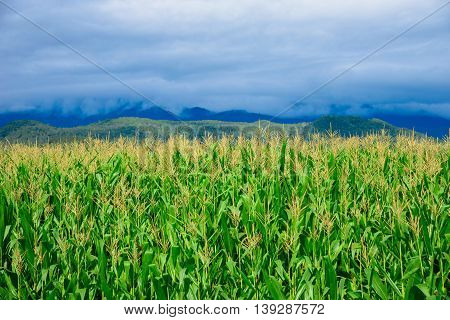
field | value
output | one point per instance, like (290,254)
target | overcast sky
(222,54)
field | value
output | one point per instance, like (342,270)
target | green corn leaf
(331,278)
(379,286)
(274,287)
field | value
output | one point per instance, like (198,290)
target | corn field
(259,218)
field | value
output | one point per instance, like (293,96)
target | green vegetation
(267,217)
(33,131)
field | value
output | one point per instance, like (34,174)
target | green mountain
(352,126)
(37,132)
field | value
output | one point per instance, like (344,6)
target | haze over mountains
(422,122)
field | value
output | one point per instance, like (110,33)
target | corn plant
(260,218)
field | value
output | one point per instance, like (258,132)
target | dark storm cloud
(227,54)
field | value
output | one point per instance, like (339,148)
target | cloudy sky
(221,54)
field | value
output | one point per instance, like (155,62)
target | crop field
(260,218)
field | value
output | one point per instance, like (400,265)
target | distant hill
(423,122)
(239,115)
(27,130)
(351,126)
(432,125)
(138,110)
(57,118)
(196,113)
(31,131)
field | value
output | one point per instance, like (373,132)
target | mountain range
(32,131)
(426,123)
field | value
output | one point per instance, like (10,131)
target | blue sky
(222,54)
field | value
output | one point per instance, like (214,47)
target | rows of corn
(260,218)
